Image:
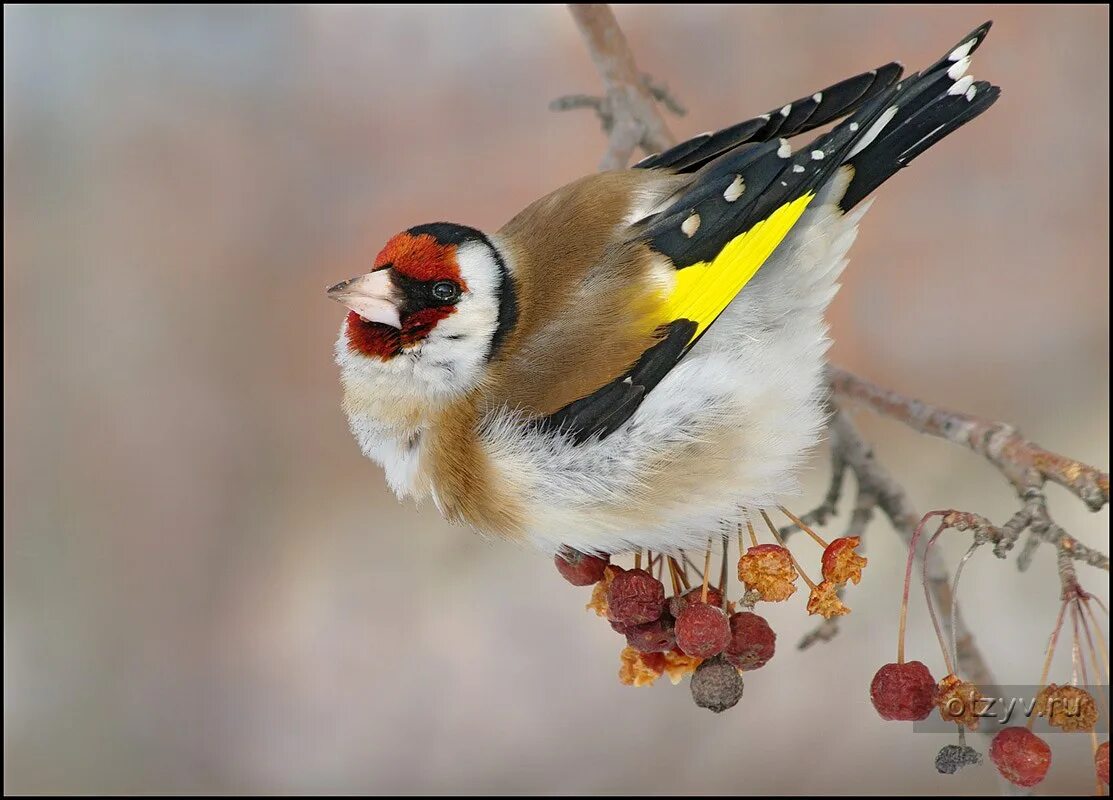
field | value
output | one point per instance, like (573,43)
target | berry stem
(678,584)
(796,566)
(1050,653)
(684,562)
(908,582)
(750,527)
(1101,641)
(931,606)
(954,605)
(723,570)
(804,527)
(638,559)
(706,571)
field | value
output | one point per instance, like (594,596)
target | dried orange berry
(768,570)
(825,600)
(1067,707)
(959,701)
(678,665)
(636,670)
(840,563)
(580,569)
(598,601)
(1020,756)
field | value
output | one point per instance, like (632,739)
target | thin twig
(1027,465)
(629,108)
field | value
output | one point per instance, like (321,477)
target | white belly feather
(726,429)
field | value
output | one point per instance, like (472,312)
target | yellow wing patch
(704,289)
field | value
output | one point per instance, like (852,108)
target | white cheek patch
(454,354)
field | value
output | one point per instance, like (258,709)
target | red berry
(1020,756)
(652,637)
(635,597)
(752,641)
(677,603)
(702,630)
(1101,762)
(903,691)
(580,569)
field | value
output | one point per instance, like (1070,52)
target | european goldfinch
(637,358)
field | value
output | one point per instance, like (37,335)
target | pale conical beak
(373,296)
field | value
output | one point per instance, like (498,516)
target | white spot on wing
(690,225)
(971,92)
(786,110)
(817,155)
(797,168)
(962,51)
(785,150)
(734,191)
(961,85)
(873,132)
(853,126)
(958,69)
(818,97)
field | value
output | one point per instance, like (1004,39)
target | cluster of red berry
(699,631)
(907,691)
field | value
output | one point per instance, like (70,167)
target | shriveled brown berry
(954,757)
(716,685)
(652,637)
(1067,707)
(959,702)
(678,602)
(1101,762)
(635,597)
(702,630)
(580,569)
(752,641)
(1020,756)
(903,692)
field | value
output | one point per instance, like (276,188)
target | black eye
(445,291)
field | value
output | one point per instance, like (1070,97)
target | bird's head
(438,303)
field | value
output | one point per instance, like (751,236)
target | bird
(637,359)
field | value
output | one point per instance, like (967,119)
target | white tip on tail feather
(875,130)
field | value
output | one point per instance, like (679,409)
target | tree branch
(1027,465)
(629,110)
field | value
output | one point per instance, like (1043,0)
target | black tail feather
(799,116)
(927,107)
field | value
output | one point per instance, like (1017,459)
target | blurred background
(208,589)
